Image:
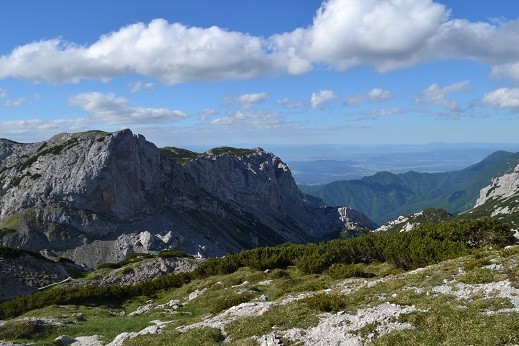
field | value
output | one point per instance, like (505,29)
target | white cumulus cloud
(320,98)
(3,93)
(14,103)
(502,98)
(111,109)
(437,95)
(348,33)
(374,95)
(27,129)
(285,102)
(206,113)
(261,119)
(384,34)
(172,53)
(138,86)
(373,114)
(379,95)
(247,100)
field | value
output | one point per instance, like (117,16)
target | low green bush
(173,253)
(230,301)
(345,271)
(476,263)
(131,258)
(326,302)
(424,245)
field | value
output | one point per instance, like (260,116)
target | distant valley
(384,196)
(322,164)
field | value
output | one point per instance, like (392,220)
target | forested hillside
(385,196)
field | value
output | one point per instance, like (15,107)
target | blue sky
(230,72)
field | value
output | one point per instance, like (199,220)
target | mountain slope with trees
(385,196)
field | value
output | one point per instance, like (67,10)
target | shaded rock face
(26,273)
(96,197)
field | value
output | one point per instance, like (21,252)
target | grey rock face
(501,188)
(146,270)
(355,220)
(110,174)
(96,197)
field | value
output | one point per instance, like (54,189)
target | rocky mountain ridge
(95,197)
(500,200)
(502,188)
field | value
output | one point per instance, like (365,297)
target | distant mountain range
(323,164)
(384,196)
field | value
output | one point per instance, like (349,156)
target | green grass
(12,222)
(183,155)
(178,154)
(103,321)
(326,302)
(226,282)
(422,246)
(234,152)
(443,320)
(481,276)
(445,324)
(292,315)
(130,259)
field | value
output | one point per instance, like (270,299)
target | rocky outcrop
(500,200)
(25,273)
(411,221)
(502,188)
(355,220)
(95,197)
(146,270)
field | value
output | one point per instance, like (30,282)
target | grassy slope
(440,318)
(384,196)
(211,301)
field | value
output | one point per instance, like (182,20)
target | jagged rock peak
(501,188)
(354,219)
(107,172)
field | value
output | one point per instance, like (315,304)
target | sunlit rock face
(501,188)
(96,197)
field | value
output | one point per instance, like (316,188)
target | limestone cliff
(500,200)
(502,188)
(95,197)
